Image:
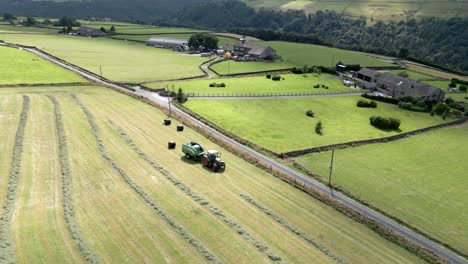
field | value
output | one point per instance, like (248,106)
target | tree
(30,21)
(8,17)
(46,21)
(67,22)
(403,53)
(319,128)
(112,29)
(203,42)
(452,84)
(103,29)
(403,74)
(440,108)
(462,88)
(181,98)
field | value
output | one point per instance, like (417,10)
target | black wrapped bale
(180,128)
(167,122)
(171,145)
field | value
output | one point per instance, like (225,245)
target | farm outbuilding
(168,43)
(255,52)
(90,32)
(397,86)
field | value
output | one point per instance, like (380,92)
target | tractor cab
(211,159)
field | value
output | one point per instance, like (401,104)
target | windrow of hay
(7,250)
(197,244)
(199,199)
(296,231)
(67,180)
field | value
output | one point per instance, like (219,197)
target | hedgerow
(197,198)
(197,244)
(7,250)
(68,209)
(297,232)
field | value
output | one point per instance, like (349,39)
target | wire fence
(270,94)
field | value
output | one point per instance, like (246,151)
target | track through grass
(7,250)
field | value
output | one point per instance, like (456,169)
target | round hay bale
(171,145)
(180,128)
(167,122)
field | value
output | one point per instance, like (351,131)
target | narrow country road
(358,207)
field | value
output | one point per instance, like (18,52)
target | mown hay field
(421,180)
(135,200)
(281,125)
(292,83)
(298,55)
(21,67)
(119,60)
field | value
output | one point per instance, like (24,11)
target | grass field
(459,96)
(22,67)
(421,180)
(120,61)
(376,9)
(281,125)
(433,72)
(292,83)
(130,206)
(297,54)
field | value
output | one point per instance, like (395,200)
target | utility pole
(100,69)
(229,66)
(331,169)
(333,60)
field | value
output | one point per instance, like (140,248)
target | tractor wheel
(215,167)
(187,156)
(205,162)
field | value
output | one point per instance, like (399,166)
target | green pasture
(298,54)
(415,75)
(292,83)
(421,180)
(120,61)
(458,96)
(22,67)
(281,125)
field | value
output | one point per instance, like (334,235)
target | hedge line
(67,188)
(299,233)
(197,244)
(7,250)
(197,198)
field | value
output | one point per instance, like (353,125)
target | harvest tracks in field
(68,210)
(197,244)
(299,233)
(7,251)
(197,198)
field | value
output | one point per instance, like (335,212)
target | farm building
(255,52)
(168,43)
(397,86)
(90,32)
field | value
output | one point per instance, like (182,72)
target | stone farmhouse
(90,32)
(397,86)
(247,50)
(168,43)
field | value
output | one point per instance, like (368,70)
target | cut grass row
(197,244)
(419,180)
(200,200)
(281,125)
(68,208)
(7,249)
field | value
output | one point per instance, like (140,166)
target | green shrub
(364,103)
(268,76)
(381,99)
(276,78)
(385,123)
(440,108)
(319,128)
(310,113)
(317,86)
(463,88)
(212,84)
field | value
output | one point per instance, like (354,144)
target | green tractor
(210,159)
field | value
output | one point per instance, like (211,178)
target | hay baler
(193,151)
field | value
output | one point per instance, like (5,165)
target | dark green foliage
(201,41)
(30,21)
(353,67)
(452,84)
(219,85)
(381,99)
(8,17)
(385,123)
(319,128)
(440,108)
(414,104)
(67,22)
(268,76)
(457,81)
(458,105)
(310,113)
(466,113)
(403,74)
(403,53)
(112,29)
(364,103)
(181,98)
(103,29)
(46,22)
(276,78)
(463,88)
